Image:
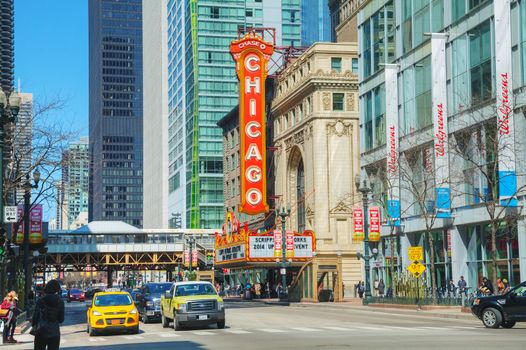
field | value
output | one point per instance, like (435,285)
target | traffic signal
(2,246)
(209,258)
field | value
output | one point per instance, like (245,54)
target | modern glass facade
(203,87)
(315,22)
(397,34)
(115,38)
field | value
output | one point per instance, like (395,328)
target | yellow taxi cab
(112,311)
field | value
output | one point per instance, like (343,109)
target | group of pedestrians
(46,319)
(249,290)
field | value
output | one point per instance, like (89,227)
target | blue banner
(393,212)
(508,188)
(443,202)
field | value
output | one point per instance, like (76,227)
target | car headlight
(133,312)
(149,303)
(96,313)
(220,305)
(181,307)
(476,302)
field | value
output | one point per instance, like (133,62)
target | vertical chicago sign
(251,54)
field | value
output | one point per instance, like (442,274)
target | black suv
(502,310)
(148,301)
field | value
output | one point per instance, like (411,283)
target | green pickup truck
(192,304)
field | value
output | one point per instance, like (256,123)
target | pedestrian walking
(48,315)
(10,304)
(462,286)
(361,289)
(451,289)
(381,288)
(375,286)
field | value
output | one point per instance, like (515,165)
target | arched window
(300,196)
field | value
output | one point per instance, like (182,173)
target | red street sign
(290,244)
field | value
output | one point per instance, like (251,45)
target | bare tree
(37,142)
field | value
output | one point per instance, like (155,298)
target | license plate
(150,313)
(202,317)
(115,322)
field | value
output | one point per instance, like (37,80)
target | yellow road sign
(415,253)
(416,268)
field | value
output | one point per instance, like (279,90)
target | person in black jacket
(50,307)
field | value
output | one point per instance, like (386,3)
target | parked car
(76,295)
(192,304)
(502,310)
(64,293)
(148,300)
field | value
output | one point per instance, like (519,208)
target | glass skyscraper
(116,113)
(315,21)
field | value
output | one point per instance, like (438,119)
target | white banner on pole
(506,136)
(392,150)
(440,128)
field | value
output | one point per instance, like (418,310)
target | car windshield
(195,289)
(113,300)
(520,291)
(159,288)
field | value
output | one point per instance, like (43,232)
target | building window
(248,13)
(336,64)
(355,65)
(368,120)
(423,92)
(214,12)
(480,63)
(337,101)
(379,115)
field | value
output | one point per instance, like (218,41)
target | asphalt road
(257,326)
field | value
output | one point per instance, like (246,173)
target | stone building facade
(316,138)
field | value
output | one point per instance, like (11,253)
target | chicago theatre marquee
(313,134)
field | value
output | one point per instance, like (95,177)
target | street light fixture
(363,186)
(28,186)
(283,214)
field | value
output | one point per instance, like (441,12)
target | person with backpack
(10,304)
(49,314)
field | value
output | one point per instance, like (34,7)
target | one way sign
(10,214)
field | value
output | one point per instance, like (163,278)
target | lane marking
(237,331)
(272,330)
(306,329)
(339,329)
(131,337)
(369,328)
(169,335)
(97,339)
(435,328)
(204,333)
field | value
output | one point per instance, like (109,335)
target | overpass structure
(113,246)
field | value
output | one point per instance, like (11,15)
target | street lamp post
(283,214)
(362,185)
(28,186)
(190,241)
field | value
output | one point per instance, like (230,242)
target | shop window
(337,101)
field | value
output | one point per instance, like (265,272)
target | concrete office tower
(156,187)
(75,180)
(22,142)
(116,113)
(203,88)
(6,44)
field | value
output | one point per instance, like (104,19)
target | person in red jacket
(10,303)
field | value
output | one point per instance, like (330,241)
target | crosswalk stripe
(204,333)
(306,329)
(131,337)
(272,330)
(370,328)
(237,331)
(434,328)
(338,329)
(168,335)
(97,339)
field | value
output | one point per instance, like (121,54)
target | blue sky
(51,57)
